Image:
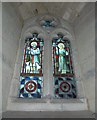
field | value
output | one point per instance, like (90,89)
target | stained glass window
(31,77)
(48,23)
(64,80)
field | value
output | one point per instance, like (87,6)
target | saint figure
(35,57)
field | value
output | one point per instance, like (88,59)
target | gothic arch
(28,32)
(47,35)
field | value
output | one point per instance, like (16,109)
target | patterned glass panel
(32,68)
(48,23)
(64,80)
(31,87)
(65,87)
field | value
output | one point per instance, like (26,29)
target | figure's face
(61,46)
(34,45)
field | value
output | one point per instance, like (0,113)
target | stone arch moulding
(28,32)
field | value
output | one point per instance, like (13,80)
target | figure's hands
(67,53)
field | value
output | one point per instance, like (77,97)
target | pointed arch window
(63,73)
(31,77)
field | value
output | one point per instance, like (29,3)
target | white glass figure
(62,61)
(35,57)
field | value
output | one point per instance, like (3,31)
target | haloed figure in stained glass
(35,52)
(61,52)
(31,77)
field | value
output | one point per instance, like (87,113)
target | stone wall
(83,57)
(84,28)
(11,29)
(0,59)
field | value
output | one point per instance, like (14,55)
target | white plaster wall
(11,29)
(0,60)
(84,28)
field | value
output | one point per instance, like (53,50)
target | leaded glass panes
(48,23)
(62,57)
(31,87)
(32,68)
(65,87)
(64,80)
(33,52)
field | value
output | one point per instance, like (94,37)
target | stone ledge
(48,114)
(80,100)
(47,105)
(45,100)
(26,100)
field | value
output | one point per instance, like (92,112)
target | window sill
(15,104)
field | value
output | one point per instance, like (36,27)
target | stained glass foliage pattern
(31,87)
(64,79)
(65,87)
(33,52)
(62,60)
(48,23)
(31,77)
